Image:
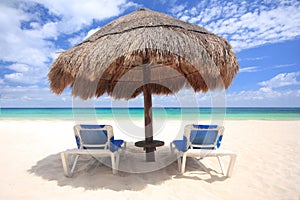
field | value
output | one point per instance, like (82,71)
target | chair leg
(65,163)
(113,163)
(117,161)
(123,151)
(179,160)
(171,148)
(231,164)
(183,164)
(74,164)
(221,165)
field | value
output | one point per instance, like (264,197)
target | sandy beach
(267,165)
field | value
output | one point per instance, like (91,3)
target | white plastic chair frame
(103,151)
(199,151)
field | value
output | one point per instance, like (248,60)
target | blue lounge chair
(202,141)
(96,141)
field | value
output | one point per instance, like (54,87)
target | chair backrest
(93,136)
(203,136)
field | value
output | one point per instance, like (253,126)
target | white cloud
(285,65)
(281,80)
(18,45)
(33,96)
(247,25)
(249,69)
(14,77)
(29,30)
(22,78)
(79,38)
(271,93)
(76,14)
(264,97)
(73,14)
(253,58)
(25,74)
(178,9)
(91,32)
(32,49)
(76,40)
(19,67)
(26,98)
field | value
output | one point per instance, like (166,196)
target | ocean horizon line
(272,113)
(268,107)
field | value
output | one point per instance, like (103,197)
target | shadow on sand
(90,174)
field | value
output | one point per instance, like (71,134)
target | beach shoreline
(267,165)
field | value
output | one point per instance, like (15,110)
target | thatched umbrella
(145,52)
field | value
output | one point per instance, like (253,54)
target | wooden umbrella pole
(150,156)
(148,115)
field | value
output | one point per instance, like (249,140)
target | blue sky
(264,34)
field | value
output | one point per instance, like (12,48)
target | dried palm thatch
(145,49)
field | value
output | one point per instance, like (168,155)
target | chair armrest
(115,145)
(181,145)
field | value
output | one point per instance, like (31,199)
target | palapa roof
(145,48)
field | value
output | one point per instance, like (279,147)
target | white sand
(267,167)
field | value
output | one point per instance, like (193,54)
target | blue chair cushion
(204,126)
(203,137)
(92,137)
(181,145)
(218,144)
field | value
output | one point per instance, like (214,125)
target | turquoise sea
(138,113)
